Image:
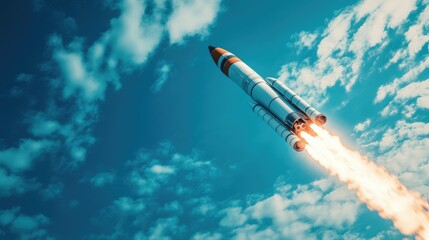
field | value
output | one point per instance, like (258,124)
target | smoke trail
(374,186)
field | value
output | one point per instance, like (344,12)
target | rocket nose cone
(211,48)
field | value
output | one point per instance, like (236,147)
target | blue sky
(116,124)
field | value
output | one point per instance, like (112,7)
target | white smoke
(374,186)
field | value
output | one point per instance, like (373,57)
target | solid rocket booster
(272,98)
(297,101)
(294,141)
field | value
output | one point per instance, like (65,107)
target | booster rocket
(281,108)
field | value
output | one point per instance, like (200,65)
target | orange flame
(380,190)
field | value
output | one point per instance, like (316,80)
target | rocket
(281,108)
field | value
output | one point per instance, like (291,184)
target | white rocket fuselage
(279,106)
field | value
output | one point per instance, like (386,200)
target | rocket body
(286,112)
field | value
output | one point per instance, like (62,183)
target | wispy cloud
(356,33)
(52,191)
(21,158)
(164,188)
(127,205)
(382,39)
(103,178)
(163,73)
(207,236)
(362,126)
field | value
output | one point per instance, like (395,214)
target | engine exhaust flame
(380,190)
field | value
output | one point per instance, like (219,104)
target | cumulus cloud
(15,162)
(40,126)
(133,35)
(21,158)
(24,226)
(306,39)
(203,206)
(191,17)
(83,71)
(295,212)
(163,186)
(399,141)
(13,184)
(403,150)
(79,80)
(357,33)
(387,41)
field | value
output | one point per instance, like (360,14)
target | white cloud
(163,73)
(234,217)
(77,76)
(296,213)
(306,40)
(24,226)
(250,231)
(133,35)
(164,187)
(415,90)
(362,126)
(415,35)
(43,127)
(13,184)
(355,35)
(418,90)
(86,70)
(423,102)
(411,74)
(403,150)
(202,206)
(127,205)
(149,174)
(22,158)
(191,17)
(335,36)
(164,229)
(159,169)
(103,178)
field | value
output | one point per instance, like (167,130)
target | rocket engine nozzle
(299,125)
(320,120)
(299,146)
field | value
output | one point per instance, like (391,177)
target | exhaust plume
(378,189)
